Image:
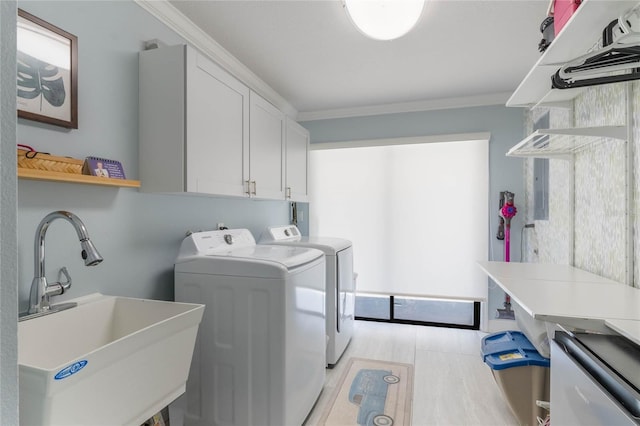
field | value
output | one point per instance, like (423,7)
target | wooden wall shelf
(75,178)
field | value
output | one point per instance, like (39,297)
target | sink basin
(108,361)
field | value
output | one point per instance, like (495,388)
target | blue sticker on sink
(71,369)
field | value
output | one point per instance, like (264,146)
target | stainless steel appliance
(595,380)
(340,282)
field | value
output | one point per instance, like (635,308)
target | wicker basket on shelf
(41,161)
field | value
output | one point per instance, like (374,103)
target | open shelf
(578,36)
(563,143)
(75,178)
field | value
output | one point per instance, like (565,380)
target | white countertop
(541,271)
(569,296)
(628,328)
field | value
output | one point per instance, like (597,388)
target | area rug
(371,393)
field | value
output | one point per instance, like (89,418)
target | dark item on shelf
(609,32)
(617,61)
(548,33)
(568,77)
(562,12)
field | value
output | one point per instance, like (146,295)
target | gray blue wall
(138,234)
(506,126)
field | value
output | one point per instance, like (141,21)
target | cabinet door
(297,162)
(266,149)
(217,131)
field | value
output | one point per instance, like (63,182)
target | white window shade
(417,214)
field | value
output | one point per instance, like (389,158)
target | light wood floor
(452,386)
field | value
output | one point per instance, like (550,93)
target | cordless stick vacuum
(507,211)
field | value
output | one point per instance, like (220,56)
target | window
(411,310)
(417,215)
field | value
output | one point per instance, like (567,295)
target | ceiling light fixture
(384,19)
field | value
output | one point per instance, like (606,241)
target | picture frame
(47,72)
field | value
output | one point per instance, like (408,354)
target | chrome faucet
(40,289)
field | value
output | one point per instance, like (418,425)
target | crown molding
(428,105)
(195,36)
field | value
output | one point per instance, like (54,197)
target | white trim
(457,137)
(166,13)
(428,105)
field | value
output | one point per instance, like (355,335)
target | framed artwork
(47,72)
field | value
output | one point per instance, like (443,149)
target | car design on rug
(369,391)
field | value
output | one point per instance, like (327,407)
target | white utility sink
(108,361)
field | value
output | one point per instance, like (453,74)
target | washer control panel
(209,242)
(283,233)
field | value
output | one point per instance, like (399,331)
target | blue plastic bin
(508,349)
(522,374)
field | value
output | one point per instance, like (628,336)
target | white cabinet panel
(266,149)
(162,119)
(217,129)
(297,161)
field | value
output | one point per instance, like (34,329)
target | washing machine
(259,357)
(340,286)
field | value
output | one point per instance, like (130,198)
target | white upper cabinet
(266,149)
(203,131)
(194,127)
(297,162)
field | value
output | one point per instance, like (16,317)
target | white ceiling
(309,52)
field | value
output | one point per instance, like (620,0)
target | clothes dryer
(260,354)
(340,282)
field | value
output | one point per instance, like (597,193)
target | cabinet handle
(288,192)
(248,191)
(255,188)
